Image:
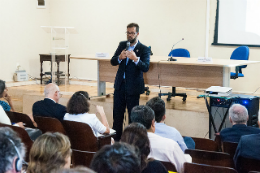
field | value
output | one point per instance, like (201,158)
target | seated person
(161,129)
(238,116)
(5,98)
(49,152)
(78,108)
(135,134)
(162,149)
(117,158)
(12,150)
(78,169)
(50,107)
(248,147)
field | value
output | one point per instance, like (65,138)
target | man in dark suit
(129,82)
(50,107)
(238,116)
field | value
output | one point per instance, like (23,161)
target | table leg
(58,72)
(100,84)
(41,74)
(226,76)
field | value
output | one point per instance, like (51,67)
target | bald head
(52,91)
(238,114)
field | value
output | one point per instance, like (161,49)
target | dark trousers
(121,101)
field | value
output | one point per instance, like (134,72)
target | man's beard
(133,40)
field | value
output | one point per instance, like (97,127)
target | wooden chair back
(81,158)
(205,144)
(47,124)
(230,148)
(210,157)
(194,167)
(218,141)
(248,165)
(169,166)
(24,137)
(20,117)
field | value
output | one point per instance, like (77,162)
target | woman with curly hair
(136,134)
(49,152)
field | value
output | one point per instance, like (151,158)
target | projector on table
(218,91)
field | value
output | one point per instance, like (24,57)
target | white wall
(21,37)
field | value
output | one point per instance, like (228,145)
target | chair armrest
(105,140)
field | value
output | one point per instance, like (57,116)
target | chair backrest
(47,124)
(240,53)
(169,166)
(179,53)
(205,144)
(218,141)
(210,157)
(20,117)
(194,167)
(230,148)
(81,158)
(248,165)
(81,136)
(24,137)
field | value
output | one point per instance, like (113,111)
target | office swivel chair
(240,53)
(177,53)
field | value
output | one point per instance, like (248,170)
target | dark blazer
(48,108)
(234,133)
(248,147)
(133,73)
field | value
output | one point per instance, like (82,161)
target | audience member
(248,147)
(5,98)
(117,158)
(162,149)
(49,152)
(78,169)
(50,107)
(4,119)
(161,129)
(78,108)
(12,151)
(135,134)
(238,116)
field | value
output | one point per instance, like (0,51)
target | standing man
(133,59)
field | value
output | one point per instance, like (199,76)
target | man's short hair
(7,148)
(238,114)
(158,106)
(130,25)
(142,114)
(120,157)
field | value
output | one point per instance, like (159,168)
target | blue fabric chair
(240,53)
(177,53)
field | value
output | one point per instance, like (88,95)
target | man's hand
(131,55)
(20,124)
(122,55)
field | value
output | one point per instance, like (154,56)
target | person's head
(12,151)
(144,115)
(136,134)
(117,158)
(78,169)
(238,114)
(52,91)
(49,152)
(2,88)
(132,32)
(78,103)
(158,106)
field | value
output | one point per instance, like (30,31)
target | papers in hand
(112,131)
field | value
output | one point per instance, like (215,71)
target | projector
(218,91)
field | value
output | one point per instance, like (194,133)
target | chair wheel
(147,93)
(168,99)
(184,99)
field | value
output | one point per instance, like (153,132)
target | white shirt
(3,117)
(167,150)
(90,119)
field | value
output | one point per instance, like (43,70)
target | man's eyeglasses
(130,33)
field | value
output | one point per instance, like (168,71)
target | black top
(48,108)
(155,167)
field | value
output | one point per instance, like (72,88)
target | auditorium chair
(176,53)
(47,124)
(247,165)
(81,158)
(194,167)
(16,117)
(210,158)
(24,137)
(230,148)
(240,53)
(169,166)
(205,144)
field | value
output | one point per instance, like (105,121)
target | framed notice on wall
(41,3)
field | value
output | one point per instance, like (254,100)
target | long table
(185,72)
